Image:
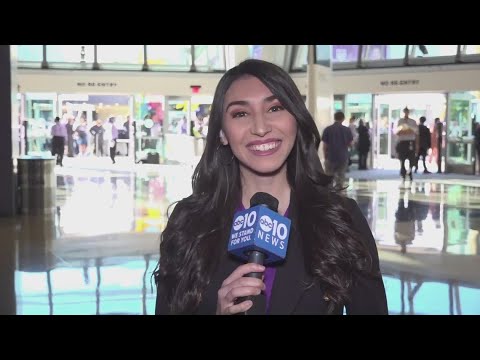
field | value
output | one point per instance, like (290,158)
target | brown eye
(276,108)
(239,114)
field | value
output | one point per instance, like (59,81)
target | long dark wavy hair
(195,237)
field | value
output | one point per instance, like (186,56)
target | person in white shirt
(113,136)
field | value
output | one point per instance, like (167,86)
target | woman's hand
(236,286)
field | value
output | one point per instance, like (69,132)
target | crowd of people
(414,142)
(77,138)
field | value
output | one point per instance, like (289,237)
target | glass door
(462,115)
(149,128)
(40,112)
(22,123)
(199,115)
(383,140)
(358,107)
(389,109)
(179,145)
(178,115)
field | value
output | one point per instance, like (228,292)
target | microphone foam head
(265,199)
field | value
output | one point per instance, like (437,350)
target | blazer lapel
(290,280)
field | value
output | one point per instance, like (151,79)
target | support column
(320,92)
(7,182)
(8,129)
(8,303)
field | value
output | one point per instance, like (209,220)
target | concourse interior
(82,236)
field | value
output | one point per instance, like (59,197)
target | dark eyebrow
(270,98)
(238,102)
(243,102)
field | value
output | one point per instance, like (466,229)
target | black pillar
(7,225)
(8,303)
(7,180)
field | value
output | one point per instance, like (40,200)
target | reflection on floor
(96,252)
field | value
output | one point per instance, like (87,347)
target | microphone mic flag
(259,234)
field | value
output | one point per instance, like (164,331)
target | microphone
(259,234)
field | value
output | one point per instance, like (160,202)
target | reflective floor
(428,239)
(96,252)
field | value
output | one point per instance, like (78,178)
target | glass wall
(376,56)
(344,53)
(212,57)
(300,58)
(209,58)
(152,129)
(120,56)
(470,53)
(323,54)
(169,57)
(433,50)
(359,106)
(131,57)
(463,113)
(472,49)
(432,54)
(69,56)
(272,53)
(383,52)
(30,55)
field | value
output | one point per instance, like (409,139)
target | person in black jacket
(70,140)
(262,138)
(476,135)
(363,145)
(425,143)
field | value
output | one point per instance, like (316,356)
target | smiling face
(259,130)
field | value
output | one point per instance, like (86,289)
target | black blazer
(290,294)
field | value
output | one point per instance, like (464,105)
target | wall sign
(399,82)
(97,84)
